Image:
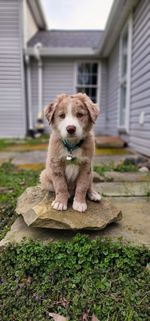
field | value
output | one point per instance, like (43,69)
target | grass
(112,151)
(23,144)
(74,279)
(122,167)
(12,183)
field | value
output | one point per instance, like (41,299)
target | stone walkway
(129,192)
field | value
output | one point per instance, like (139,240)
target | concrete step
(109,142)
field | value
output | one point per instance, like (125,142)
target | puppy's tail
(46,182)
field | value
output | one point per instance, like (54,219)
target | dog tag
(69,157)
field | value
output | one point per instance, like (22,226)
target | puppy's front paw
(94,196)
(80,207)
(59,205)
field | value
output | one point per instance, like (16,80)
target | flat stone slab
(127,177)
(135,224)
(35,207)
(124,188)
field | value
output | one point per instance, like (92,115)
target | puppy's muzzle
(71,129)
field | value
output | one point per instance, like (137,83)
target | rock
(144,169)
(35,207)
(141,159)
(135,160)
(146,164)
(109,142)
(98,178)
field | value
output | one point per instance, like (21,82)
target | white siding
(140,79)
(58,77)
(12,112)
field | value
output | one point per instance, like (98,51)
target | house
(111,66)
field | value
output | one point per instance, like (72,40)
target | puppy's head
(72,115)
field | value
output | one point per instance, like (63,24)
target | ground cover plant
(7,143)
(121,167)
(12,183)
(75,279)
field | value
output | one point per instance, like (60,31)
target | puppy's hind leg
(93,195)
(46,182)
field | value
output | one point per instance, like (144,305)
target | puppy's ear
(49,112)
(93,108)
(50,109)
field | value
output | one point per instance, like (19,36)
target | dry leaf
(94,318)
(57,317)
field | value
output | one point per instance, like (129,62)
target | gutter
(62,51)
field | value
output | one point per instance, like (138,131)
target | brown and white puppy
(68,172)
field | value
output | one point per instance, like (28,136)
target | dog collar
(71,147)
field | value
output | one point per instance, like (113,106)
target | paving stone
(35,207)
(135,224)
(127,177)
(103,160)
(123,188)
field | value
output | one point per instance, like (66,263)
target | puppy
(71,148)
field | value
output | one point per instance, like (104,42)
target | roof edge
(38,13)
(62,51)
(120,10)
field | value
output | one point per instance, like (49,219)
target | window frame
(127,78)
(76,85)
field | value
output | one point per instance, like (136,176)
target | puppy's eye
(79,115)
(62,116)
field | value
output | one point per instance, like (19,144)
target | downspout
(29,103)
(39,122)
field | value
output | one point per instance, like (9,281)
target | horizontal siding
(58,77)
(140,79)
(12,113)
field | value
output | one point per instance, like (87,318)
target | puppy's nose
(71,129)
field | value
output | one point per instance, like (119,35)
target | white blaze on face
(70,120)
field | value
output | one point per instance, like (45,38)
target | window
(87,79)
(124,76)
